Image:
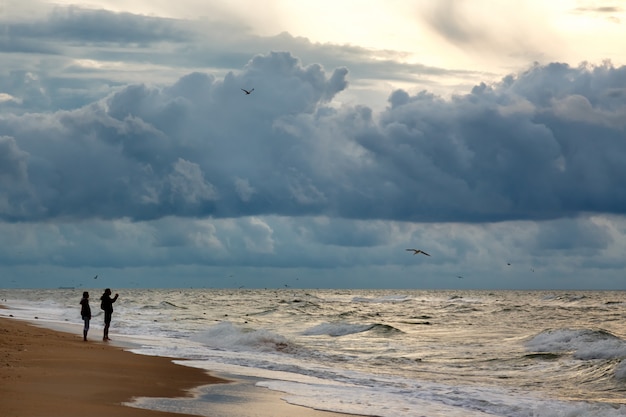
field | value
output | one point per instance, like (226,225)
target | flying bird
(247,91)
(416,251)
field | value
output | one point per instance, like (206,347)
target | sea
(386,353)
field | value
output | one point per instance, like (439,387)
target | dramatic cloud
(66,57)
(99,26)
(543,144)
(128,147)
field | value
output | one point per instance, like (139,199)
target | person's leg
(107,323)
(85,329)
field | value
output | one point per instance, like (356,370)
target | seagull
(247,91)
(416,251)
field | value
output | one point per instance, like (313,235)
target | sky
(491,135)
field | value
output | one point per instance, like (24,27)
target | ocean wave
(400,298)
(344,329)
(544,355)
(385,329)
(300,302)
(620,371)
(163,305)
(584,343)
(337,329)
(568,298)
(424,323)
(227,336)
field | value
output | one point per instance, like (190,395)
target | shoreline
(45,371)
(52,373)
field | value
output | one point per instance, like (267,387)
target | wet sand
(49,373)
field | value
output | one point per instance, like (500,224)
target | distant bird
(96,277)
(247,91)
(416,251)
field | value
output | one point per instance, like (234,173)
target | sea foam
(583,343)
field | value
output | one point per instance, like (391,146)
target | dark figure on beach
(107,305)
(85,312)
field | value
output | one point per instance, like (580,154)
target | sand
(48,373)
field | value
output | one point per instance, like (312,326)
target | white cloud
(578,108)
(258,236)
(243,189)
(4,97)
(188,183)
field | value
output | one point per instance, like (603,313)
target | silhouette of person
(107,305)
(85,313)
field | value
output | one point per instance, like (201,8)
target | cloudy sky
(491,135)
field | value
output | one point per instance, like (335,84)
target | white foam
(584,343)
(620,371)
(397,397)
(225,335)
(337,329)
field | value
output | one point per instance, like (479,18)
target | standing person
(85,312)
(107,305)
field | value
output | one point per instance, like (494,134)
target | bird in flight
(247,91)
(416,251)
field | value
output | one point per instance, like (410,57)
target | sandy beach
(47,373)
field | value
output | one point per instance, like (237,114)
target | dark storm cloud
(12,163)
(12,44)
(38,92)
(72,56)
(96,26)
(578,236)
(73,32)
(338,232)
(543,144)
(146,152)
